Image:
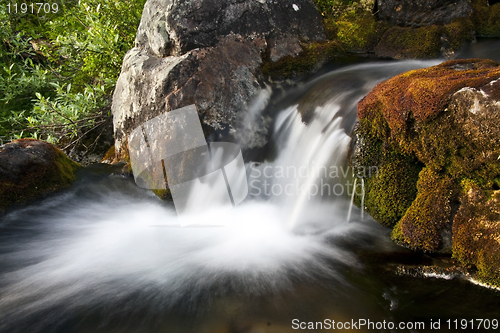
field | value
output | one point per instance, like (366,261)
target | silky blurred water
(107,256)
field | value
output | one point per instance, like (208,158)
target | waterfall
(106,243)
(362,199)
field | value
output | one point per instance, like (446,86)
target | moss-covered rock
(392,190)
(352,32)
(422,224)
(420,95)
(358,32)
(425,42)
(163,194)
(445,119)
(486,18)
(458,32)
(476,233)
(403,29)
(31,169)
(409,42)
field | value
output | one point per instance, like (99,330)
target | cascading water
(312,159)
(108,255)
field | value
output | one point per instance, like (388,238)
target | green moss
(312,57)
(486,18)
(349,27)
(459,31)
(359,32)
(425,42)
(391,192)
(163,194)
(337,8)
(476,234)
(110,155)
(406,42)
(331,28)
(353,25)
(65,173)
(496,183)
(420,227)
(373,122)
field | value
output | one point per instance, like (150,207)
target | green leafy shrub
(351,23)
(359,31)
(58,70)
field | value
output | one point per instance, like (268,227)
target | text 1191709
(33,8)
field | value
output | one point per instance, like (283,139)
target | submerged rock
(208,53)
(434,135)
(30,169)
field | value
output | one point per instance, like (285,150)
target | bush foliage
(58,70)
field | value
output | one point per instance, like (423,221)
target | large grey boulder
(208,53)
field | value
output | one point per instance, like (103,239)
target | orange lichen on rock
(421,94)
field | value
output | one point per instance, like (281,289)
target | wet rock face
(417,13)
(31,169)
(208,53)
(443,121)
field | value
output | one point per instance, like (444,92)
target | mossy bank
(434,133)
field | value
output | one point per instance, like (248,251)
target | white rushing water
(106,241)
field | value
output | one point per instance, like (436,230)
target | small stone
(30,169)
